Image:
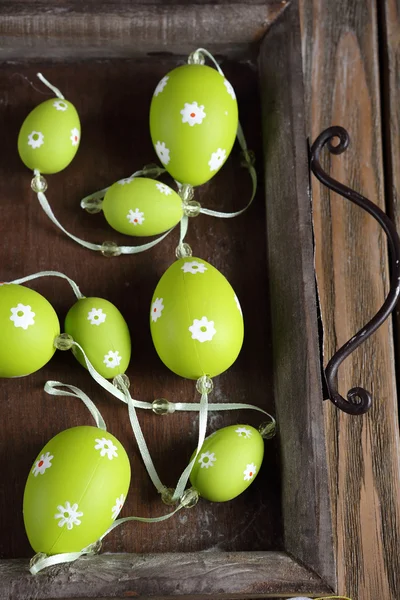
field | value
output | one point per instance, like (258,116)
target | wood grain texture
(202,575)
(340,53)
(76,31)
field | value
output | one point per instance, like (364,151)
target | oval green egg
(75,490)
(195,319)
(29,326)
(98,326)
(141,206)
(49,137)
(193,122)
(228,462)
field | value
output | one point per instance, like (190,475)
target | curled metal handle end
(358,402)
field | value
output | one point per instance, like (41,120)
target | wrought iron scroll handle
(358,399)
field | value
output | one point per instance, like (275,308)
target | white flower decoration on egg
(161,85)
(22,316)
(217,159)
(243,432)
(75,136)
(60,105)
(193,114)
(156,309)
(42,464)
(193,267)
(68,515)
(35,139)
(164,189)
(207,459)
(106,448)
(116,509)
(135,217)
(249,472)
(238,304)
(162,152)
(230,89)
(112,359)
(202,330)
(96,316)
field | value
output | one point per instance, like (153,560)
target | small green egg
(75,490)
(140,207)
(228,462)
(49,137)
(29,326)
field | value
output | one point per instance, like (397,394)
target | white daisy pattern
(60,105)
(106,448)
(126,180)
(193,114)
(116,509)
(249,472)
(112,359)
(202,330)
(230,89)
(162,152)
(96,316)
(164,189)
(135,217)
(238,304)
(161,85)
(207,459)
(42,464)
(35,139)
(193,267)
(156,309)
(217,159)
(75,136)
(22,316)
(243,432)
(68,515)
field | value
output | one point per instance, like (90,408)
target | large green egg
(193,122)
(98,326)
(228,462)
(195,319)
(49,137)
(28,326)
(75,490)
(140,206)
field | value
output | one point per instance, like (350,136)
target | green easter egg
(28,326)
(227,463)
(75,490)
(195,319)
(193,122)
(140,206)
(101,330)
(49,137)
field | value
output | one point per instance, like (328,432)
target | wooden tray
(276,539)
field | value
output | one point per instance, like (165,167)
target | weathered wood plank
(340,55)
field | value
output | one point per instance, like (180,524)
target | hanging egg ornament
(98,326)
(75,490)
(228,462)
(195,319)
(140,206)
(49,137)
(193,122)
(29,326)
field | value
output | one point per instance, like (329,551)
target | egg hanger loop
(53,388)
(50,86)
(74,286)
(358,399)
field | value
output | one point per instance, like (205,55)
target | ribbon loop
(50,86)
(74,286)
(53,388)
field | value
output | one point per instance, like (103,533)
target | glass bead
(94,548)
(190,498)
(186,192)
(121,381)
(166,496)
(37,558)
(196,58)
(110,249)
(152,170)
(267,430)
(39,184)
(64,341)
(204,385)
(183,251)
(192,208)
(161,406)
(92,205)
